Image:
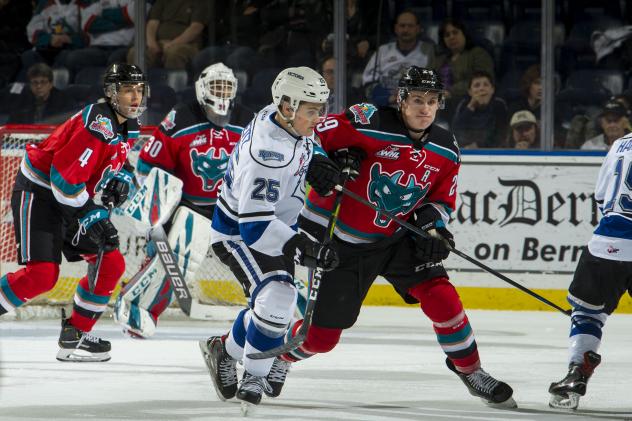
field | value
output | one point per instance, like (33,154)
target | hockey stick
(424,234)
(93,270)
(172,270)
(314,286)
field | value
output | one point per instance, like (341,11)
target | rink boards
(527,215)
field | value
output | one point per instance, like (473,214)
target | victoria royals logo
(169,122)
(102,125)
(208,167)
(362,113)
(271,155)
(386,192)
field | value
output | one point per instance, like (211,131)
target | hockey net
(213,284)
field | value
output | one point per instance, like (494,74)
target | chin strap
(288,121)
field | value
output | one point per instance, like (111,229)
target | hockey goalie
(181,167)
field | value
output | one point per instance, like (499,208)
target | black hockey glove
(323,174)
(438,247)
(97,226)
(117,189)
(349,160)
(311,254)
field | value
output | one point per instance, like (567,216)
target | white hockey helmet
(296,84)
(215,90)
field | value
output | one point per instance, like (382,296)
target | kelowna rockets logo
(208,167)
(386,192)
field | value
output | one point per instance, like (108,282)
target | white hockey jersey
(613,237)
(391,63)
(264,186)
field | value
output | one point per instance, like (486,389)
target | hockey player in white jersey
(254,230)
(602,276)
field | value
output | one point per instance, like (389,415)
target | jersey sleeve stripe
(34,172)
(65,187)
(224,206)
(74,195)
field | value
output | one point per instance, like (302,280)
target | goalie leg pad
(149,293)
(155,200)
(138,297)
(273,309)
(441,303)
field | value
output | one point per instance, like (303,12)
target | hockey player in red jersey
(54,211)
(403,163)
(193,142)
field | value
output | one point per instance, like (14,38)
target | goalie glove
(322,175)
(349,160)
(117,189)
(436,248)
(311,254)
(95,223)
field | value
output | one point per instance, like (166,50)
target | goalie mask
(120,77)
(215,91)
(420,79)
(299,84)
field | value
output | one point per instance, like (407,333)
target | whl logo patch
(387,192)
(362,113)
(102,125)
(390,152)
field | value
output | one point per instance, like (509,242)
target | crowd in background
(53,53)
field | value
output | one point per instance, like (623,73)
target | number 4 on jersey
(85,156)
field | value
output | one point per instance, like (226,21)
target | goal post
(214,284)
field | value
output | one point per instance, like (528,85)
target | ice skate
(276,377)
(251,389)
(221,366)
(78,346)
(565,394)
(492,392)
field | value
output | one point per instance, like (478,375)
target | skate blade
(561,402)
(207,360)
(508,404)
(79,356)
(248,408)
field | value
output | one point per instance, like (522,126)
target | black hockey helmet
(118,74)
(417,78)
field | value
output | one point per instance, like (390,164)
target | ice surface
(387,367)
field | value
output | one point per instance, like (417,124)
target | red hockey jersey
(81,155)
(193,149)
(398,174)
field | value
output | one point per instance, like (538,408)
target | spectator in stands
(110,28)
(360,38)
(531,88)
(480,119)
(614,123)
(41,103)
(53,31)
(14,16)
(524,130)
(459,60)
(327,69)
(386,65)
(174,33)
